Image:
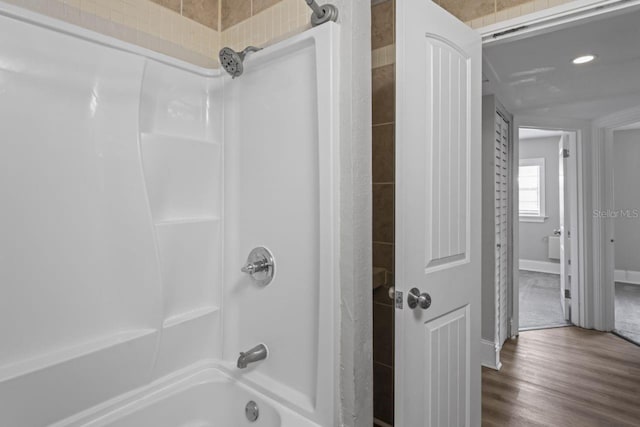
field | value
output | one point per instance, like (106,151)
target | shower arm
(314,6)
(249,49)
(322,14)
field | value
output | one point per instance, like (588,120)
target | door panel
(448,356)
(438,182)
(448,187)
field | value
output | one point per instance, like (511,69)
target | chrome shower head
(232,61)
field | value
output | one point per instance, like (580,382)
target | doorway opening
(546,186)
(625,219)
(541,78)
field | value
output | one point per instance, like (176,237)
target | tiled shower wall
(383,177)
(260,22)
(194,30)
(191,30)
(186,29)
(245,22)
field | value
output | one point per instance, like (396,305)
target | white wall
(356,390)
(626,172)
(533,235)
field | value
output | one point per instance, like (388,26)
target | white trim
(540,266)
(627,276)
(532,218)
(581,289)
(542,182)
(490,355)
(552,18)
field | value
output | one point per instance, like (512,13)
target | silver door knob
(416,299)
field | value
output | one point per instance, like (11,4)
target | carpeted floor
(628,311)
(540,300)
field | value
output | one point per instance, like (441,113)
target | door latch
(398,295)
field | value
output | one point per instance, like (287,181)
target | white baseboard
(627,276)
(540,266)
(490,355)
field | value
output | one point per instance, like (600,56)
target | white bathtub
(205,398)
(134,187)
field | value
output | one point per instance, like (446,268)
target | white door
(563,231)
(438,208)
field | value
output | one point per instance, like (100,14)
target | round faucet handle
(260,266)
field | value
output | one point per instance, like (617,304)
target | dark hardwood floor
(564,377)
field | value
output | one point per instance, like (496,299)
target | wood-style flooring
(564,377)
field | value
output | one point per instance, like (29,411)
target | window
(531,180)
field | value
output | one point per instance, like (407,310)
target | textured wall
(355,247)
(534,235)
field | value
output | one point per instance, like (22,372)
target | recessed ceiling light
(584,59)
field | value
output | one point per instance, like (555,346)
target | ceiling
(633,126)
(535,75)
(530,133)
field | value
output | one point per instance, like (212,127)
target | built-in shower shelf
(178,221)
(179,139)
(189,315)
(65,354)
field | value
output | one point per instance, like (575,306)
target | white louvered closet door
(501,229)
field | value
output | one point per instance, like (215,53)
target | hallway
(540,300)
(562,377)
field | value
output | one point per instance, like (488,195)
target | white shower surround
(136,185)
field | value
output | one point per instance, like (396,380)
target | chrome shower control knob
(416,299)
(260,266)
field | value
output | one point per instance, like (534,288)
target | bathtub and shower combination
(159,219)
